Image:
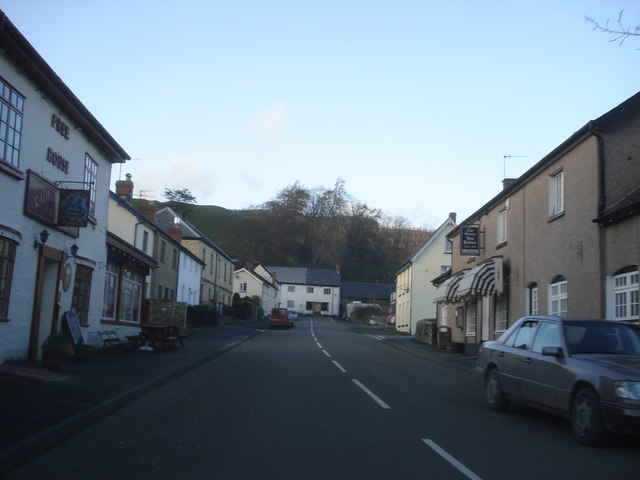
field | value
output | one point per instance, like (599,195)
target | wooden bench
(110,339)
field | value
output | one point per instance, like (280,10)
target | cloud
(269,122)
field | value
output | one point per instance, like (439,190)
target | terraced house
(562,239)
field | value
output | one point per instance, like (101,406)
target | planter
(52,356)
(85,353)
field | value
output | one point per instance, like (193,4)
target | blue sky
(414,104)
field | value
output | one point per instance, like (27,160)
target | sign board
(72,325)
(74,208)
(469,240)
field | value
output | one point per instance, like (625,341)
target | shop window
(471,318)
(110,292)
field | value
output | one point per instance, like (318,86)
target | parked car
(585,370)
(279,317)
(391,319)
(293,314)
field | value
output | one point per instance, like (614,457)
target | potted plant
(53,350)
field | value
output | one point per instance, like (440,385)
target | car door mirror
(553,352)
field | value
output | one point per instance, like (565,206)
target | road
(322,402)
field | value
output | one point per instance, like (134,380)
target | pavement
(40,408)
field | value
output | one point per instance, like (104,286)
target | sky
(420,107)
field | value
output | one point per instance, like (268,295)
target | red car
(391,319)
(279,317)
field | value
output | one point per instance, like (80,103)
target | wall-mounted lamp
(44,236)
(73,249)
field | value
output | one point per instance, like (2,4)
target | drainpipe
(602,231)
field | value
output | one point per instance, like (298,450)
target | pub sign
(469,240)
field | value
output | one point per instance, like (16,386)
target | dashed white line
(339,366)
(455,463)
(326,353)
(377,399)
(318,343)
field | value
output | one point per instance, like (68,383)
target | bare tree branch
(621,33)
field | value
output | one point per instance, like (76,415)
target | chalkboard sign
(73,327)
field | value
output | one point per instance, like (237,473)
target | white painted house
(415,293)
(310,291)
(50,144)
(189,276)
(258,284)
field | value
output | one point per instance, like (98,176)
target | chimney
(452,216)
(124,188)
(148,211)
(175,232)
(507,182)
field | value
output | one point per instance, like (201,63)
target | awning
(447,291)
(483,280)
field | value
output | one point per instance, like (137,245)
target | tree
(180,200)
(621,33)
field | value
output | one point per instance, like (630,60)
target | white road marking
(377,337)
(326,353)
(464,470)
(339,366)
(318,343)
(371,394)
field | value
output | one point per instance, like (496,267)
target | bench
(110,339)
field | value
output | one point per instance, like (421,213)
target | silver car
(585,370)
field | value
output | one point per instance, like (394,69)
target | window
(11,107)
(90,178)
(523,337)
(448,246)
(110,291)
(556,194)
(558,297)
(243,287)
(444,268)
(625,294)
(163,249)
(548,336)
(211,263)
(7,259)
(82,293)
(309,289)
(145,241)
(444,315)
(159,291)
(327,291)
(501,314)
(501,234)
(291,304)
(471,318)
(532,299)
(130,296)
(291,288)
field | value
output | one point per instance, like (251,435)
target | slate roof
(306,276)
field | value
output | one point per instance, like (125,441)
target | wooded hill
(310,228)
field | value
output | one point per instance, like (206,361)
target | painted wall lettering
(61,127)
(57,160)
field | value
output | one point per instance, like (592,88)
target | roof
(16,47)
(306,276)
(593,127)
(432,238)
(381,291)
(625,208)
(165,218)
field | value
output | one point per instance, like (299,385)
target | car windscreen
(601,337)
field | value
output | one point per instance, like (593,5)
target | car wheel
(586,418)
(493,391)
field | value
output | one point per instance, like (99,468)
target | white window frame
(90,182)
(558,298)
(556,193)
(243,287)
(501,226)
(501,314)
(291,288)
(625,296)
(533,305)
(471,317)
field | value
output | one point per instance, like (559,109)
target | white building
(256,284)
(310,291)
(189,275)
(415,294)
(49,144)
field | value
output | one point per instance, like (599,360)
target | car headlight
(627,389)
